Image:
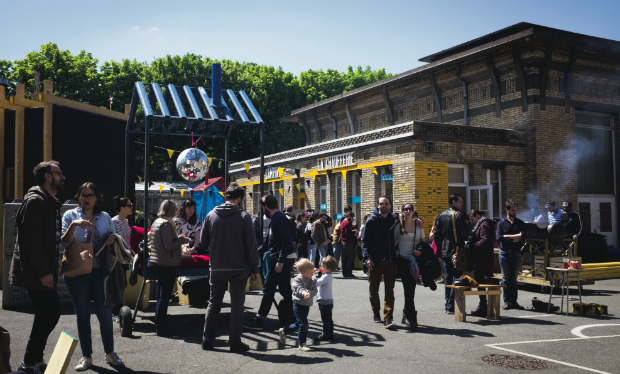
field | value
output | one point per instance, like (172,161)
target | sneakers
(282,336)
(239,348)
(113,359)
(480,311)
(84,363)
(254,324)
(376,319)
(389,324)
(304,348)
(36,368)
(450,310)
(206,346)
(506,306)
(325,338)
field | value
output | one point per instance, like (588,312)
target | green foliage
(274,92)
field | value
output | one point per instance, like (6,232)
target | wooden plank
(436,96)
(388,107)
(459,306)
(494,75)
(61,357)
(51,99)
(516,55)
(20,98)
(19,152)
(48,88)
(493,307)
(471,293)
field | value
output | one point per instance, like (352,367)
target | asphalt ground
(439,345)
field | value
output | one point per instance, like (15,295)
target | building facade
(528,113)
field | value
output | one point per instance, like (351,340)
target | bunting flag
(210,193)
(298,172)
(247,167)
(374,170)
(170,152)
(139,178)
(182,191)
(359,171)
(151,184)
(298,185)
(171,190)
(250,195)
(281,191)
(160,188)
(344,174)
(280,171)
(221,193)
(314,173)
(308,183)
(210,159)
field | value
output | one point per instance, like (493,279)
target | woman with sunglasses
(408,233)
(78,226)
(187,222)
(166,258)
(124,208)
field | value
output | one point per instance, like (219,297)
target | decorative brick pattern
(431,189)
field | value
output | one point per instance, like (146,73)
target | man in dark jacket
(281,263)
(445,234)
(480,248)
(35,260)
(380,259)
(229,234)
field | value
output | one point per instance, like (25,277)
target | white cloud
(153,29)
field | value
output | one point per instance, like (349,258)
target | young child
(304,289)
(325,299)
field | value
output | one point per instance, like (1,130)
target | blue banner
(338,215)
(386,177)
(322,206)
(356,200)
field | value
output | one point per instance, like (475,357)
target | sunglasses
(407,210)
(90,196)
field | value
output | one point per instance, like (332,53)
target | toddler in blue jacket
(304,289)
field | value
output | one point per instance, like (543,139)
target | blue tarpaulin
(206,200)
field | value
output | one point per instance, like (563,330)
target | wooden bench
(492,291)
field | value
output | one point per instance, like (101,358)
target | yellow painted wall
(431,190)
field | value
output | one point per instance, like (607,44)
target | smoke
(531,201)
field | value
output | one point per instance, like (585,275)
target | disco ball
(192,165)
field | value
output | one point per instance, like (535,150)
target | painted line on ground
(577,330)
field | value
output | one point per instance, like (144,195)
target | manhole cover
(515,362)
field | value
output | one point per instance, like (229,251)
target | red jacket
(346,232)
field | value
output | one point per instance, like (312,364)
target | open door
(480,197)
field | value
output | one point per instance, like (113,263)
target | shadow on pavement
(301,359)
(118,369)
(463,333)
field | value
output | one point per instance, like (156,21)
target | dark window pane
(594,161)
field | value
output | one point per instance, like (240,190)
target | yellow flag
(221,193)
(297,185)
(170,152)
(140,178)
(281,191)
(182,191)
(314,174)
(280,171)
(374,170)
(160,188)
(247,167)
(344,174)
(210,159)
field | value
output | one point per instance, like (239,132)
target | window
(338,181)
(323,198)
(494,179)
(458,180)
(595,150)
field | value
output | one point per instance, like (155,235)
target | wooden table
(564,282)
(492,291)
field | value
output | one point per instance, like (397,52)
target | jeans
(219,284)
(312,252)
(348,257)
(46,316)
(322,249)
(337,251)
(301,314)
(387,270)
(326,316)
(166,276)
(82,289)
(404,270)
(510,264)
(480,279)
(451,274)
(282,280)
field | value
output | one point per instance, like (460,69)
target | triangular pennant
(139,178)
(182,191)
(297,172)
(170,152)
(247,167)
(297,185)
(344,174)
(374,170)
(210,193)
(250,195)
(160,188)
(281,191)
(210,159)
(359,171)
(308,183)
(280,171)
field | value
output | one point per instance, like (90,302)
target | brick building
(527,112)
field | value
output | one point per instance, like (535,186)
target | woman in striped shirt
(124,208)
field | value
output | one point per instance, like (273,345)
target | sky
(296,35)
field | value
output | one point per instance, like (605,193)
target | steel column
(262,174)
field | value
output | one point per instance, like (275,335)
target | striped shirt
(122,228)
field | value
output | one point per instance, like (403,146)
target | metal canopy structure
(197,111)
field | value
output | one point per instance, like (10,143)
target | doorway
(598,215)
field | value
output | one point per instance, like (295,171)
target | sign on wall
(336,161)
(322,206)
(386,177)
(272,173)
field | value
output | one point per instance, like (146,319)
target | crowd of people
(299,254)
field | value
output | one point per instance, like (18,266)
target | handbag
(78,258)
(461,258)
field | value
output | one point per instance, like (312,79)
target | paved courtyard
(570,344)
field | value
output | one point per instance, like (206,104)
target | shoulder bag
(461,258)
(78,258)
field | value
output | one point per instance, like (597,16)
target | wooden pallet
(493,292)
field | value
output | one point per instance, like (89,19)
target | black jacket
(36,249)
(428,264)
(375,229)
(302,237)
(573,225)
(445,233)
(292,225)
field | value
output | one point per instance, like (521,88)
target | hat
(567,204)
(551,203)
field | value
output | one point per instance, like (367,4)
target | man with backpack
(480,248)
